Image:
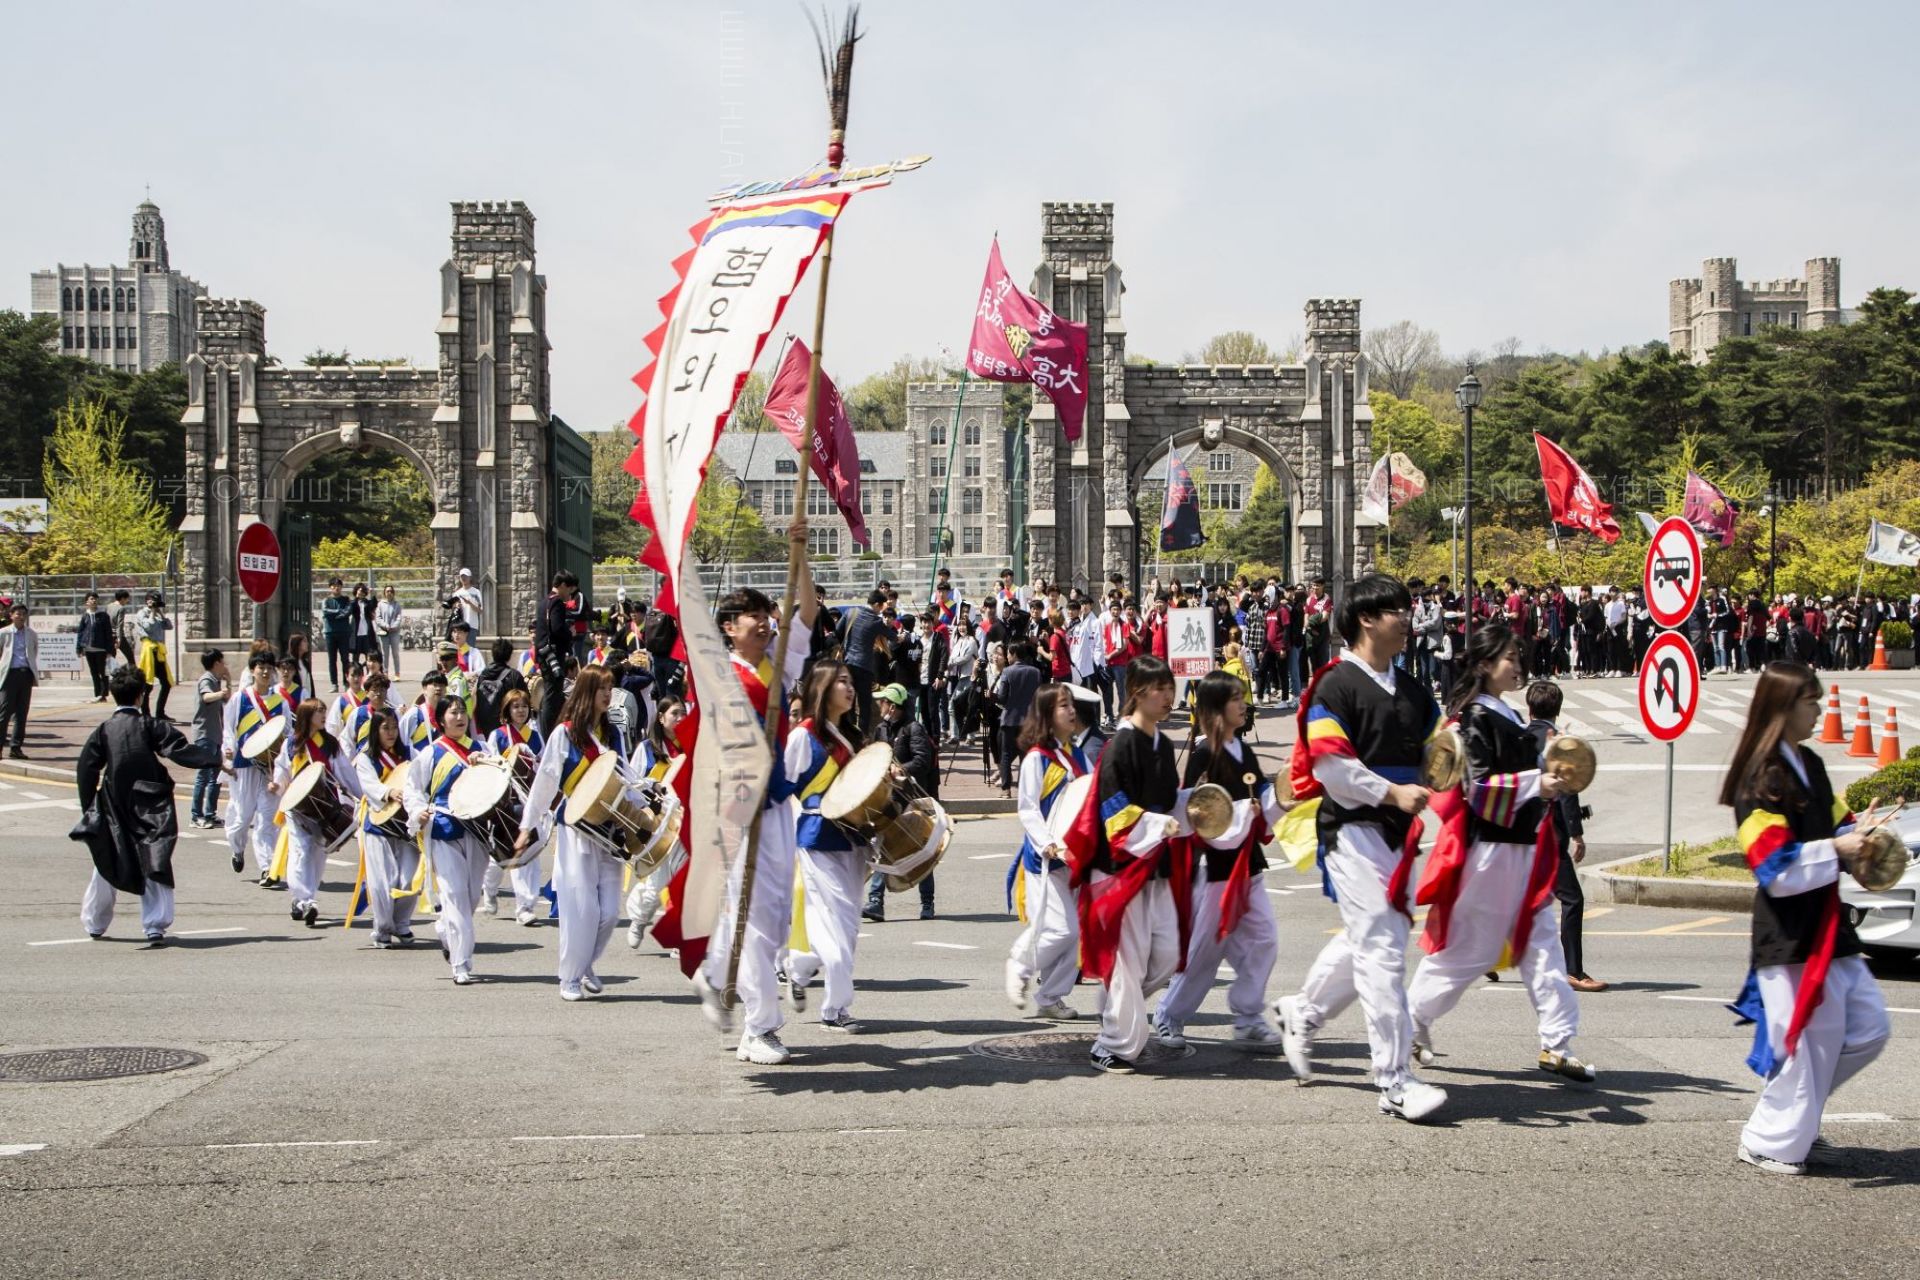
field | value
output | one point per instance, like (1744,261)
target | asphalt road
(359,1115)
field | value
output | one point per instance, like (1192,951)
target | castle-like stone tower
(1702,313)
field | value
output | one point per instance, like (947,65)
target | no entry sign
(1669,686)
(259,555)
(1671,580)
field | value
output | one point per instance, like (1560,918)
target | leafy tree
(1263,533)
(879,402)
(726,527)
(616,534)
(1397,354)
(1234,347)
(101,512)
(358,551)
(34,383)
(372,492)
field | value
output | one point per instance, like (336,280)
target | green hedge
(1902,778)
(1896,635)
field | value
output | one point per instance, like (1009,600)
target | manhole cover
(49,1066)
(1064,1048)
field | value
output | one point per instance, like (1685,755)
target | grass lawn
(1716,860)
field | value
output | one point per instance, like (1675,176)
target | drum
(639,830)
(520,759)
(260,745)
(1067,806)
(861,794)
(390,819)
(911,843)
(485,801)
(314,796)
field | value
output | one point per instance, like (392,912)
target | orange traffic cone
(1879,662)
(1862,733)
(1890,740)
(1830,730)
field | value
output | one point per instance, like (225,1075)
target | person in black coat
(127,816)
(1544,700)
(915,758)
(93,640)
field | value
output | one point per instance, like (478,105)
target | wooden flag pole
(838,72)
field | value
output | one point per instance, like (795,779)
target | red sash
(1447,867)
(463,750)
(837,749)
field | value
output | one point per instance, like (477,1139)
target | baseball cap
(895,693)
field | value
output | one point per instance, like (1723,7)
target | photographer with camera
(553,644)
(464,605)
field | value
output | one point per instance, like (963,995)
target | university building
(134,317)
(1704,312)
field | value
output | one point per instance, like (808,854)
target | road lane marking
(946,946)
(40,804)
(259,1146)
(1735,718)
(195,933)
(1700,999)
(58,942)
(1696,933)
(20,1148)
(847,1131)
(985,857)
(1858,1117)
(1594,913)
(1833,767)
(1606,700)
(580,1137)
(1282,893)
(337,862)
(33,795)
(1686,925)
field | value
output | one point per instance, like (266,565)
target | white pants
(836,885)
(391,864)
(1491,889)
(769,920)
(250,809)
(1055,965)
(525,879)
(1844,1034)
(458,868)
(1368,959)
(1149,956)
(1251,949)
(643,899)
(306,863)
(156,906)
(586,886)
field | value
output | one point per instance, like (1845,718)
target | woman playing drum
(459,859)
(651,759)
(833,868)
(310,744)
(586,876)
(1232,916)
(391,859)
(1046,956)
(516,730)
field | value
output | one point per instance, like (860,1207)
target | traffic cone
(1830,731)
(1862,733)
(1879,662)
(1890,740)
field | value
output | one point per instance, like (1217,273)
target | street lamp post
(1773,540)
(1467,396)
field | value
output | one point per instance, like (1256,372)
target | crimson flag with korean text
(836,454)
(1016,339)
(1572,496)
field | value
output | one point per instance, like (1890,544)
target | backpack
(488,691)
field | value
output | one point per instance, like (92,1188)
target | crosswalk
(1723,707)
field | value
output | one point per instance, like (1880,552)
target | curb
(1683,893)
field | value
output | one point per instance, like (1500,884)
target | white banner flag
(1890,544)
(732,290)
(1408,481)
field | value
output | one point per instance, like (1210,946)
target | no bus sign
(1673,573)
(259,556)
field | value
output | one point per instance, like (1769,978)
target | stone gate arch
(1208,433)
(1312,416)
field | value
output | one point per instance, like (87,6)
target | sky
(1487,171)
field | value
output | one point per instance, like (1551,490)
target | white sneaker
(490,905)
(763,1050)
(636,932)
(1168,1035)
(572,993)
(1260,1038)
(1296,1037)
(841,1021)
(461,978)
(1018,984)
(525,916)
(1415,1100)
(1423,1046)
(1056,1012)
(712,1004)
(1767,1164)
(591,984)
(796,992)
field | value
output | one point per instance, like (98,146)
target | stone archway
(1313,416)
(1223,434)
(477,425)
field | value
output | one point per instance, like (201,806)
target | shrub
(1896,635)
(1897,780)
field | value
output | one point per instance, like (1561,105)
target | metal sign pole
(1666,852)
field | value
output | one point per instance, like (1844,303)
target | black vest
(1495,744)
(1784,929)
(1388,733)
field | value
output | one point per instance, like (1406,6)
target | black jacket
(1566,809)
(126,795)
(913,750)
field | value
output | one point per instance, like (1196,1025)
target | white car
(1890,919)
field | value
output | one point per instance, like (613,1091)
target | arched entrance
(1210,438)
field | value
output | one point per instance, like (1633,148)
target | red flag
(1708,510)
(1571,493)
(1015,339)
(836,455)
